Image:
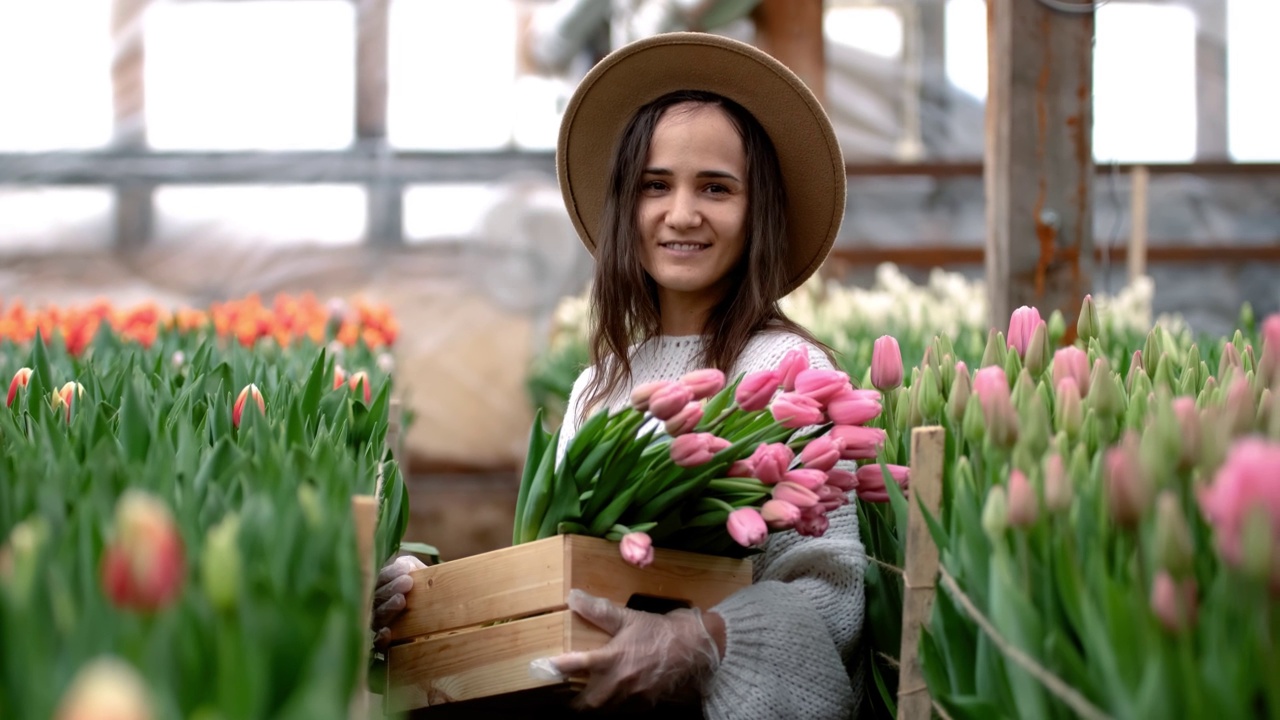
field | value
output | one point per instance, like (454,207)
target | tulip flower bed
(177,528)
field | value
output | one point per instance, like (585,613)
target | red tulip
(360,379)
(237,410)
(20,380)
(143,565)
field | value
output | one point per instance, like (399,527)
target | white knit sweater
(792,636)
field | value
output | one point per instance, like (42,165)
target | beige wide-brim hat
(634,75)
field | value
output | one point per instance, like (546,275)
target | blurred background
(402,151)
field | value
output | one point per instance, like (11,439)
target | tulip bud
(1012,365)
(1136,413)
(1152,349)
(1023,388)
(339,377)
(871,482)
(311,506)
(249,391)
(821,453)
(1164,374)
(793,363)
(106,688)
(696,449)
(747,527)
(947,373)
(1058,492)
(1135,369)
(958,397)
(1068,409)
(1128,487)
(636,549)
(1078,469)
(1022,325)
(1072,362)
(1037,356)
(812,523)
(1249,360)
(641,394)
(821,385)
(806,478)
(1088,325)
(995,513)
(1172,540)
(771,461)
(964,473)
(359,380)
(1230,359)
(1034,426)
(220,563)
(1269,365)
(1173,602)
(21,379)
(793,410)
(1240,410)
(667,401)
(177,360)
(71,393)
(797,495)
(779,514)
(1057,327)
(842,480)
(860,443)
(757,389)
(1104,396)
(1247,318)
(995,352)
(1189,384)
(704,383)
(386,363)
(20,558)
(915,418)
(684,421)
(143,565)
(886,364)
(854,407)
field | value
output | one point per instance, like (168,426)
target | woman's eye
(717,189)
(652,185)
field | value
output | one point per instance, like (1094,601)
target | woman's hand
(651,657)
(394,583)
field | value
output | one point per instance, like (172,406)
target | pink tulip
(641,395)
(842,480)
(812,524)
(821,453)
(1127,487)
(793,363)
(1072,362)
(871,485)
(798,495)
(143,564)
(771,461)
(741,469)
(107,688)
(794,411)
(822,385)
(831,498)
(696,449)
(636,549)
(990,384)
(665,402)
(806,478)
(1271,345)
(685,420)
(854,407)
(704,383)
(886,363)
(757,389)
(1174,603)
(860,443)
(249,391)
(1184,409)
(20,380)
(1248,482)
(1057,485)
(746,527)
(1023,504)
(779,514)
(1022,325)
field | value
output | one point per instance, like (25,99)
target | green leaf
(135,425)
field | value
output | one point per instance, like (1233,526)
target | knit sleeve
(569,426)
(791,638)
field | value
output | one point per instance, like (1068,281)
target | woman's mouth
(684,246)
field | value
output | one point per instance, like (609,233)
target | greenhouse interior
(713,358)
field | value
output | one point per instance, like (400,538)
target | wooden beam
(1039,158)
(133,219)
(1179,252)
(1211,78)
(371,69)
(791,31)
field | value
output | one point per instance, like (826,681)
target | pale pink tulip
(636,549)
(704,383)
(1248,481)
(886,363)
(107,688)
(685,420)
(871,486)
(249,391)
(779,514)
(144,562)
(1072,362)
(807,478)
(1023,504)
(741,469)
(797,495)
(854,407)
(1184,408)
(1174,603)
(793,410)
(641,395)
(793,363)
(1057,485)
(666,401)
(821,453)
(842,480)
(1022,325)
(860,443)
(1271,345)
(822,385)
(757,389)
(20,380)
(990,384)
(696,449)
(771,461)
(746,527)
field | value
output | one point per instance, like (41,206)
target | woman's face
(692,210)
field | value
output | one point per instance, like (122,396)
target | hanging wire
(1073,7)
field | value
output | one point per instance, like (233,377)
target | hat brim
(632,76)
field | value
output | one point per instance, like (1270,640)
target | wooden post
(1039,159)
(1211,79)
(928,451)
(935,89)
(384,201)
(133,211)
(364,510)
(1138,219)
(791,31)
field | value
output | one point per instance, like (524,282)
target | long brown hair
(624,298)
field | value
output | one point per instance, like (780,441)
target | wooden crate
(474,624)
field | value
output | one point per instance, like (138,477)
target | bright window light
(55,74)
(262,75)
(1253,56)
(966,51)
(304,214)
(446,211)
(54,218)
(451,74)
(877,30)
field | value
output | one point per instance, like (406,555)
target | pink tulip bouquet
(707,466)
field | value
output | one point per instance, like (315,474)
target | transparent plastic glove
(394,582)
(650,658)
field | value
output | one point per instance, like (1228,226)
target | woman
(706,180)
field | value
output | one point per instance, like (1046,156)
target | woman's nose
(683,212)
